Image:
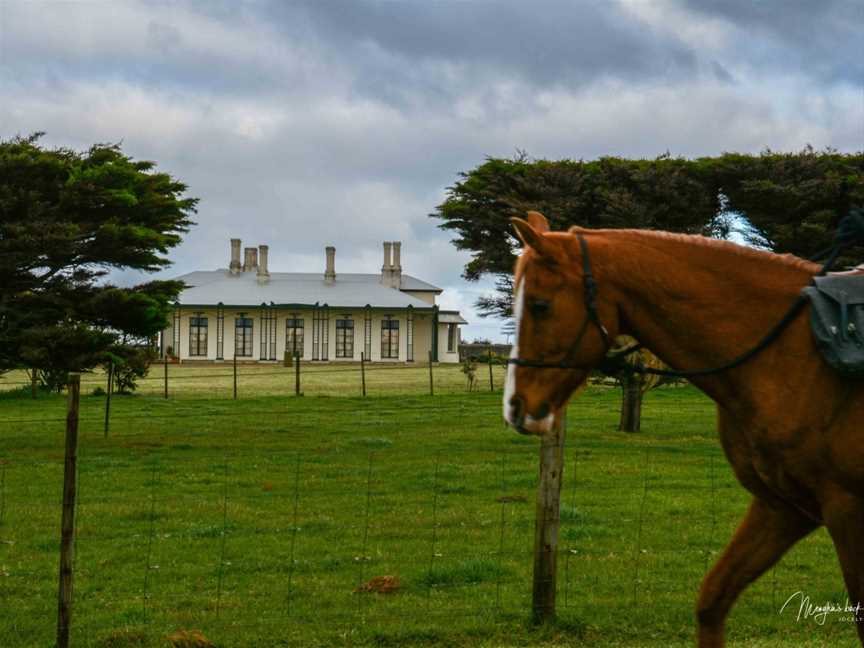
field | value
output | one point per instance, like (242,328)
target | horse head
(563,327)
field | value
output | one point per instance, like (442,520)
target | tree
(665,193)
(788,202)
(67,218)
(635,385)
(791,202)
(128,363)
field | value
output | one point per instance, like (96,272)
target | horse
(790,426)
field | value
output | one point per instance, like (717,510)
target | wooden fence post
(548,521)
(431,379)
(297,373)
(67,525)
(363,371)
(491,383)
(108,396)
(235,374)
(631,404)
(166,376)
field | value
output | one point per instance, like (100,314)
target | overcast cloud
(303,124)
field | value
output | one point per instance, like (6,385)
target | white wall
(423,295)
(443,354)
(422,336)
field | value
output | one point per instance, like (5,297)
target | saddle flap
(837,321)
(842,288)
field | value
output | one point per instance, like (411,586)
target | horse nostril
(543,411)
(516,409)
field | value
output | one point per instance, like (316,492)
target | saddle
(837,320)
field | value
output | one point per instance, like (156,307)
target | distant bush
(469,368)
(53,379)
(19,392)
(130,365)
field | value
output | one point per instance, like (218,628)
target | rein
(850,231)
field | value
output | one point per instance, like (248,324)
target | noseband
(850,231)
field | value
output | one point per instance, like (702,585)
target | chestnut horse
(792,428)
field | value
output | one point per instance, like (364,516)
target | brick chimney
(263,272)
(250,259)
(330,270)
(397,264)
(387,267)
(391,271)
(234,266)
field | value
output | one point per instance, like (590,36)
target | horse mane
(697,240)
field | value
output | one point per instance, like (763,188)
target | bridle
(591,317)
(850,231)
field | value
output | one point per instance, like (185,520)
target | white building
(260,316)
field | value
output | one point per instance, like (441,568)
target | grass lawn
(254,521)
(216,380)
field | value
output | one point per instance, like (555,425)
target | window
(345,338)
(389,337)
(294,335)
(243,337)
(452,338)
(267,333)
(197,335)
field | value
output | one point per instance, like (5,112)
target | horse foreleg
(844,517)
(763,536)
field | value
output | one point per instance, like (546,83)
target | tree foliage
(68,218)
(790,202)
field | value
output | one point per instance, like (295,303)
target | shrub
(53,379)
(131,364)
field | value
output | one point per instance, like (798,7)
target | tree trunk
(34,382)
(631,404)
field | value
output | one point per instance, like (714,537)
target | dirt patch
(123,638)
(189,639)
(380,585)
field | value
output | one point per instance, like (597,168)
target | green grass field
(254,521)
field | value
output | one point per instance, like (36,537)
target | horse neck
(698,304)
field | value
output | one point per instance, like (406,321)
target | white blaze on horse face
(510,383)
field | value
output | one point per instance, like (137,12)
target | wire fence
(307,522)
(249,380)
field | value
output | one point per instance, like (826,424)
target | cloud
(443,49)
(821,39)
(304,124)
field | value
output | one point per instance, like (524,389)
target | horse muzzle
(540,421)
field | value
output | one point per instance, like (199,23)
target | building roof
(351,290)
(451,317)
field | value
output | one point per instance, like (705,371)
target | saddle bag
(837,321)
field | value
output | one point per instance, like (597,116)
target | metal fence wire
(400,512)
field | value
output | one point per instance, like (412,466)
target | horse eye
(540,307)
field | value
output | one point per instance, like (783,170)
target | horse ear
(538,221)
(530,237)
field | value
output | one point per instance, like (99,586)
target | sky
(302,124)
